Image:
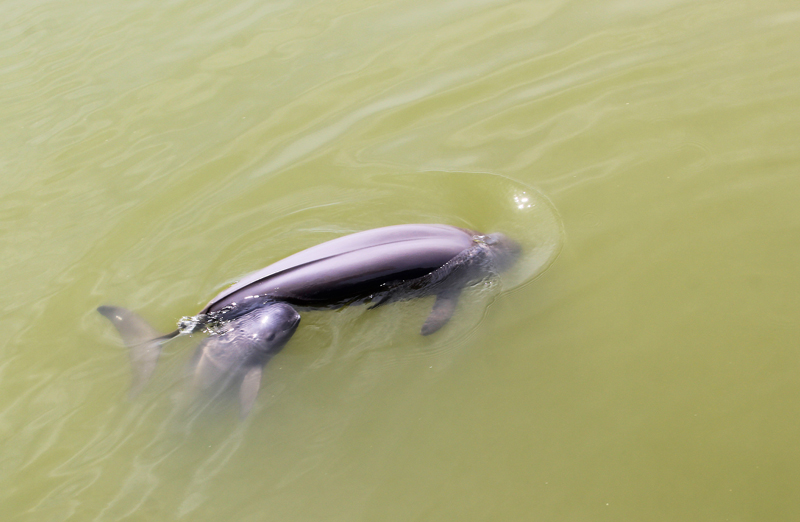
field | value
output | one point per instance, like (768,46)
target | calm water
(640,364)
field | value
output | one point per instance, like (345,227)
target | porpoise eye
(270,337)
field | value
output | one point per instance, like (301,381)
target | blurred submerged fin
(143,343)
(249,390)
(442,311)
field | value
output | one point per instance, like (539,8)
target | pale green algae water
(641,363)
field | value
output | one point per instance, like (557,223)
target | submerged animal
(252,320)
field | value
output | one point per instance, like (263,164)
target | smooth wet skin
(352,266)
(253,319)
(242,351)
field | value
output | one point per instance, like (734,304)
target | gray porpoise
(254,319)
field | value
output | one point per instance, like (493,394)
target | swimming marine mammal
(253,319)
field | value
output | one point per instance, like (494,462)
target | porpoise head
(244,348)
(251,339)
(504,251)
(268,328)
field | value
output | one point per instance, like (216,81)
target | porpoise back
(350,267)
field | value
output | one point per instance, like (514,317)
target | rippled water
(640,363)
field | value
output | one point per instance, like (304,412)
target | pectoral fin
(206,373)
(143,342)
(442,311)
(249,390)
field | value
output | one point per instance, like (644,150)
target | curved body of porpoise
(253,319)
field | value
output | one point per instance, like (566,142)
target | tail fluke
(143,342)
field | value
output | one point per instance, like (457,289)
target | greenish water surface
(641,362)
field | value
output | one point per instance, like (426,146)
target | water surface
(640,364)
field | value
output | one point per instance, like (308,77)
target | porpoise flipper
(442,311)
(249,390)
(446,282)
(142,340)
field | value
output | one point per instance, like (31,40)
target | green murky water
(641,363)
